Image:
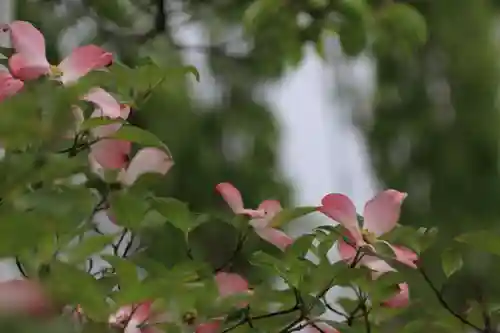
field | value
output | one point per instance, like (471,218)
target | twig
(296,307)
(116,247)
(278,313)
(20,268)
(91,265)
(365,315)
(317,328)
(129,246)
(239,246)
(445,304)
(331,308)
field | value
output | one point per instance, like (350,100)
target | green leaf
(128,209)
(400,29)
(73,286)
(353,38)
(7,51)
(325,245)
(138,135)
(452,261)
(58,166)
(260,10)
(99,121)
(125,270)
(315,305)
(348,304)
(166,244)
(353,10)
(268,262)
(483,240)
(93,327)
(288,215)
(139,293)
(112,10)
(300,247)
(20,231)
(175,211)
(193,70)
(89,246)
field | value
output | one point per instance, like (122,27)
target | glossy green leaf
(99,121)
(138,135)
(487,241)
(125,270)
(268,262)
(166,244)
(314,305)
(451,261)
(193,70)
(20,231)
(300,247)
(353,38)
(175,211)
(258,11)
(73,286)
(288,215)
(89,246)
(128,209)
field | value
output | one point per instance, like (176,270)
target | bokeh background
(291,110)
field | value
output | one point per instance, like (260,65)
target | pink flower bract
(23,297)
(261,217)
(30,62)
(9,86)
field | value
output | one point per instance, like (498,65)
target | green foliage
(44,211)
(452,261)
(482,240)
(138,135)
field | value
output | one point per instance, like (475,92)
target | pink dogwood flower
(260,217)
(9,86)
(136,318)
(147,160)
(105,106)
(210,327)
(30,62)
(401,299)
(228,284)
(381,215)
(379,267)
(141,318)
(24,297)
(107,152)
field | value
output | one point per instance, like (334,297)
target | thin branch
(444,303)
(20,268)
(116,247)
(319,329)
(129,246)
(331,308)
(278,313)
(365,316)
(91,265)
(296,307)
(239,245)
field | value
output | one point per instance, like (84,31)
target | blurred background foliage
(434,131)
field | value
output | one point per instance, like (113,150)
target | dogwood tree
(57,122)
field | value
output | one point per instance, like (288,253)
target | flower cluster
(29,62)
